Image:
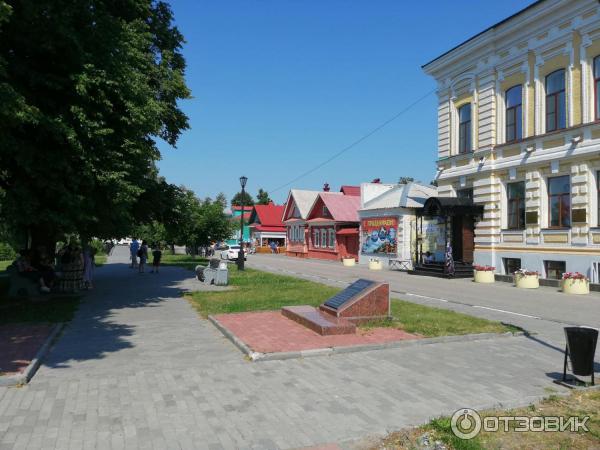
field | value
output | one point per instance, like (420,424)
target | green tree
(405,180)
(85,88)
(263,198)
(239,199)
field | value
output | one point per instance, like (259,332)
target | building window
(555,269)
(323,238)
(513,114)
(464,129)
(559,202)
(316,236)
(331,238)
(515,193)
(325,211)
(596,87)
(465,193)
(555,101)
(511,265)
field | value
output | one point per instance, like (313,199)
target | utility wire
(356,142)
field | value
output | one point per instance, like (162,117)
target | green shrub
(7,252)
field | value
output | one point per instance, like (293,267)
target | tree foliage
(85,89)
(262,198)
(405,180)
(239,199)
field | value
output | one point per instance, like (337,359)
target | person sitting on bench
(429,258)
(37,271)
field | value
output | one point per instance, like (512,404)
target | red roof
(268,215)
(350,190)
(343,208)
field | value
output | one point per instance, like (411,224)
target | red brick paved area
(18,345)
(271,332)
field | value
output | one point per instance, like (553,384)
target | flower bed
(375,264)
(575,283)
(527,279)
(348,261)
(483,274)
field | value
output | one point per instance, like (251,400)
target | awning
(347,231)
(450,206)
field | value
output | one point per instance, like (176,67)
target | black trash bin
(581,348)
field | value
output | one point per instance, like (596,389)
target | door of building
(352,245)
(468,239)
(463,238)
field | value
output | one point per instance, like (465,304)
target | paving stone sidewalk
(138,369)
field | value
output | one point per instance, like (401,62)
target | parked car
(232,253)
(124,241)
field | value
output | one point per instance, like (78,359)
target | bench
(19,286)
(400,264)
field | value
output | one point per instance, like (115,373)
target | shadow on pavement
(103,322)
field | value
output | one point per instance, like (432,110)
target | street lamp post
(240,261)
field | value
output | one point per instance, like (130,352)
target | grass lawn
(186,261)
(262,291)
(55,309)
(578,403)
(4,265)
(255,290)
(100,260)
(433,322)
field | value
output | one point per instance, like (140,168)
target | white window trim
(316,238)
(331,241)
(324,234)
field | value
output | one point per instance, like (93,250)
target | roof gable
(300,199)
(268,215)
(336,206)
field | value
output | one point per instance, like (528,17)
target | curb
(328,351)
(31,369)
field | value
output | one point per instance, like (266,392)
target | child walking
(156,255)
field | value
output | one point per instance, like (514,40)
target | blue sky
(281,85)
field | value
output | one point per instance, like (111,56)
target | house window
(596,87)
(555,101)
(513,114)
(464,129)
(559,202)
(511,265)
(555,269)
(316,235)
(516,205)
(323,238)
(325,211)
(331,238)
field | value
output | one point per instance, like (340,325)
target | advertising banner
(379,235)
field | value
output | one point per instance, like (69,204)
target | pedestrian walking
(142,253)
(156,255)
(89,255)
(133,249)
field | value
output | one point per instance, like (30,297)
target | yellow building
(519,133)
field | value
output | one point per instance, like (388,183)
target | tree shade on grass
(186,261)
(53,310)
(262,291)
